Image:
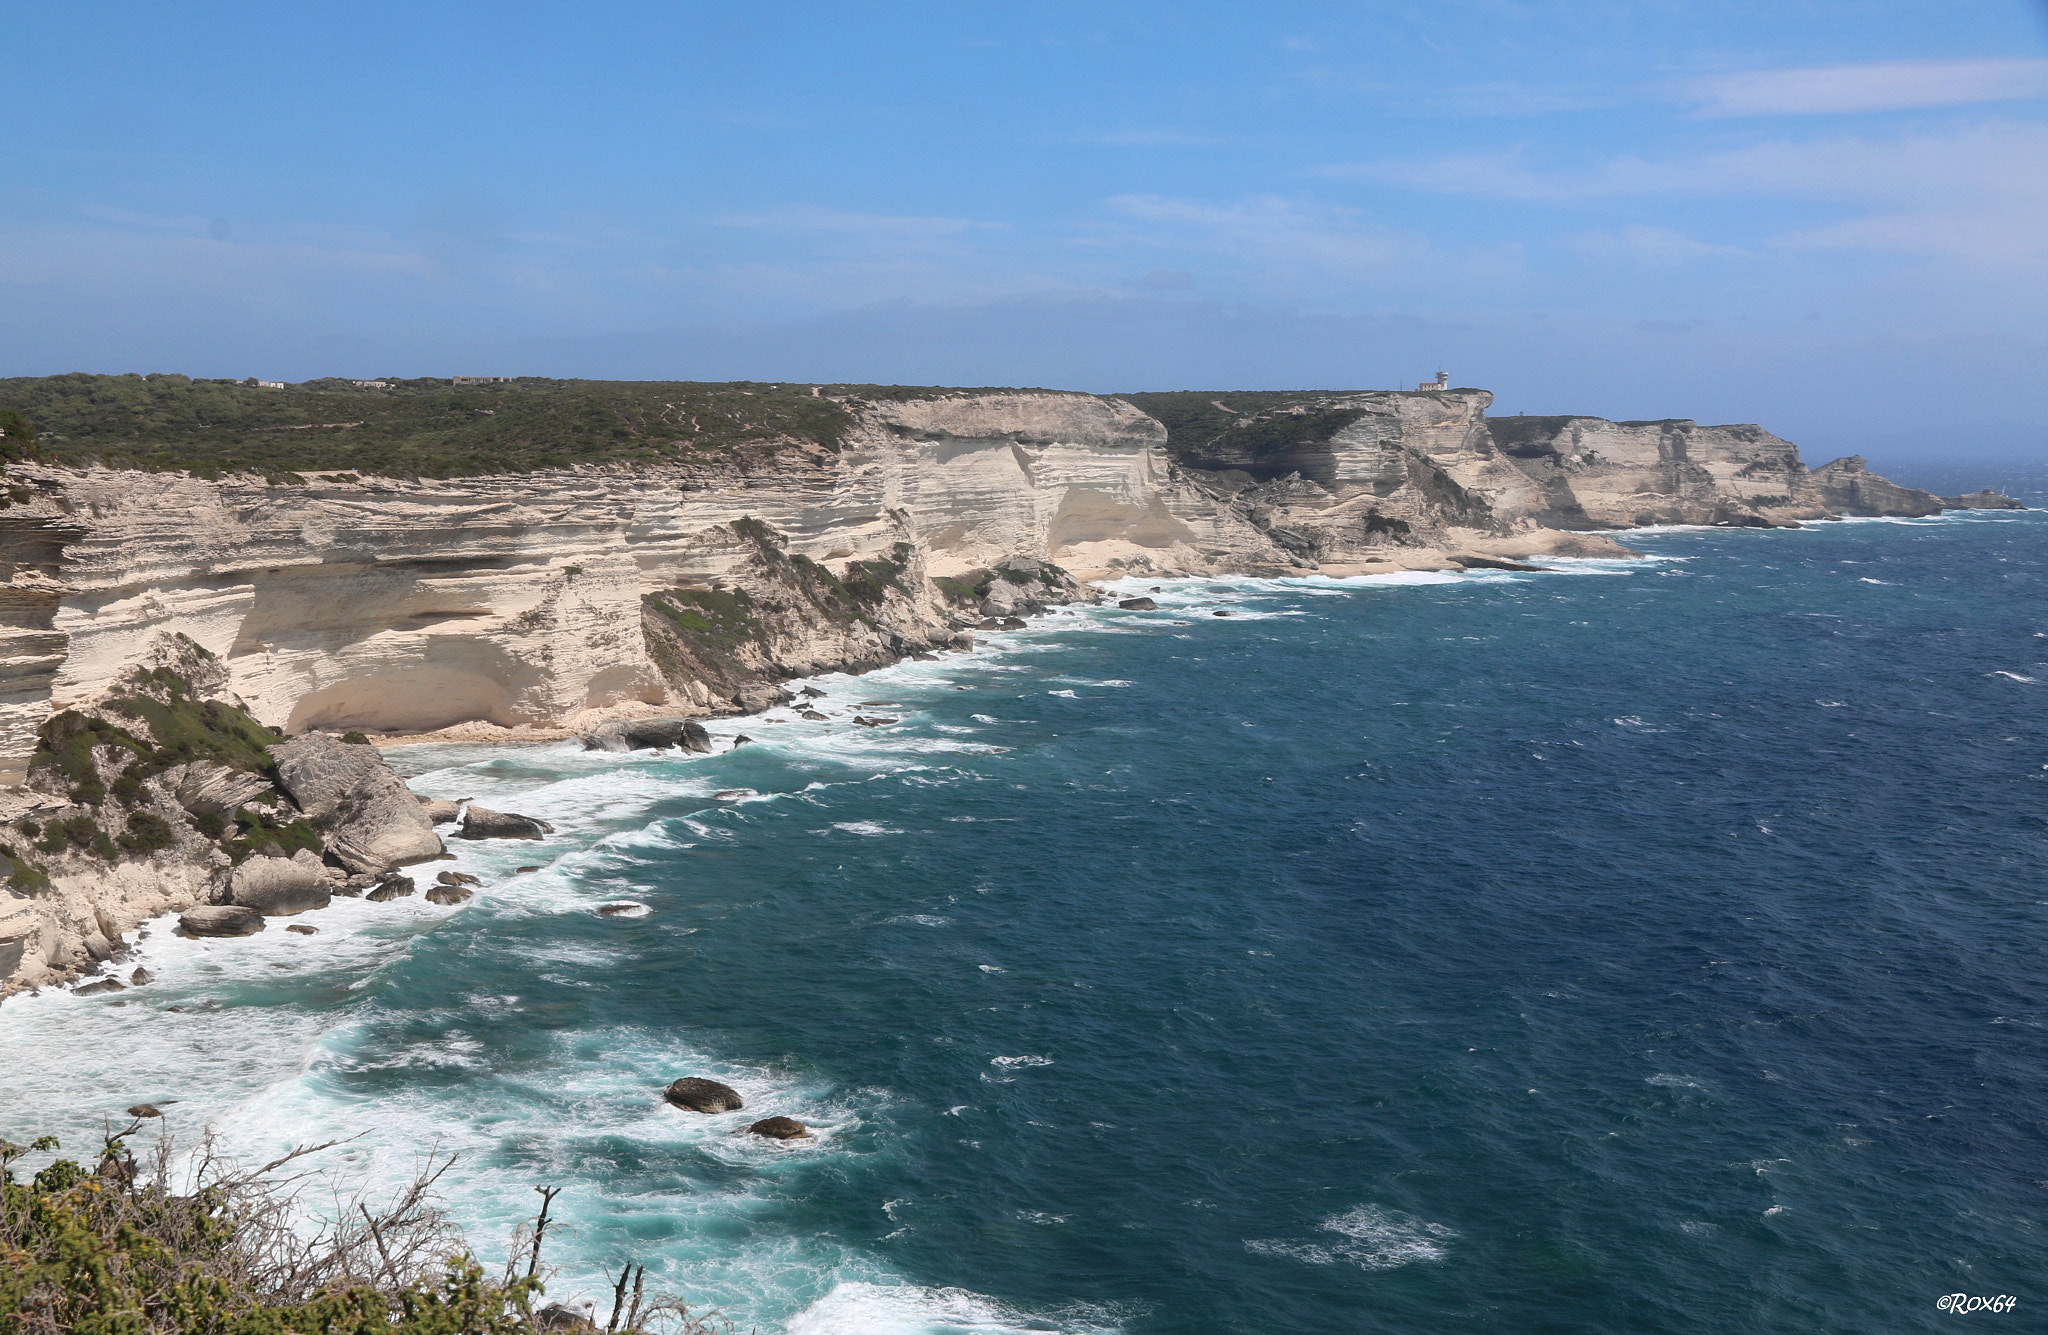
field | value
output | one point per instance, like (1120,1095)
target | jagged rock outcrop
(1844,486)
(1981,500)
(370,819)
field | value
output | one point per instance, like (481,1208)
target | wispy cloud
(1893,85)
(1651,245)
(1266,231)
(1975,193)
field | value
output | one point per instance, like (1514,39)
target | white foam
(1011,1063)
(862,1308)
(1372,1239)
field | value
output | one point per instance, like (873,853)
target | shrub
(114,1250)
(147,832)
(355,738)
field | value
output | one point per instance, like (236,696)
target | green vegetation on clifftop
(427,428)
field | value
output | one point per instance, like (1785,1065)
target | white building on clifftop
(1442,382)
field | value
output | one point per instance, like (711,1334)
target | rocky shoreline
(203,671)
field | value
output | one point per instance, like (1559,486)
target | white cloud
(1974,192)
(1886,86)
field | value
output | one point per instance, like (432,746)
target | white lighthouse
(1442,382)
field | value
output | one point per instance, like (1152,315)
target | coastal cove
(1641,944)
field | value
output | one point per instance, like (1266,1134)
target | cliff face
(529,601)
(1602,474)
(525,605)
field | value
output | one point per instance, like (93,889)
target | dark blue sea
(1647,946)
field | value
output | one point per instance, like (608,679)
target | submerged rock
(780,1128)
(302,929)
(145,1110)
(741,740)
(221,920)
(95,989)
(623,908)
(1138,605)
(874,722)
(521,871)
(449,894)
(484,823)
(700,1095)
(813,692)
(733,794)
(811,714)
(1493,563)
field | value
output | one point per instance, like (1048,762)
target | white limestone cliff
(536,604)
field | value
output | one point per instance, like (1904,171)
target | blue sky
(1826,217)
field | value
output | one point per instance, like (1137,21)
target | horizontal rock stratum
(551,599)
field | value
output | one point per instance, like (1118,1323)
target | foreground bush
(113,1250)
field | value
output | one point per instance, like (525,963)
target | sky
(1826,217)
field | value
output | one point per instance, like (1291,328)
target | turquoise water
(1649,946)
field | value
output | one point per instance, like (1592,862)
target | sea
(1646,945)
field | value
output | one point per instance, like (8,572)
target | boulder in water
(440,810)
(780,1128)
(647,734)
(753,699)
(221,920)
(700,1095)
(371,821)
(448,894)
(811,714)
(390,888)
(457,878)
(302,929)
(484,823)
(280,887)
(95,989)
(145,1110)
(813,692)
(741,740)
(1138,605)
